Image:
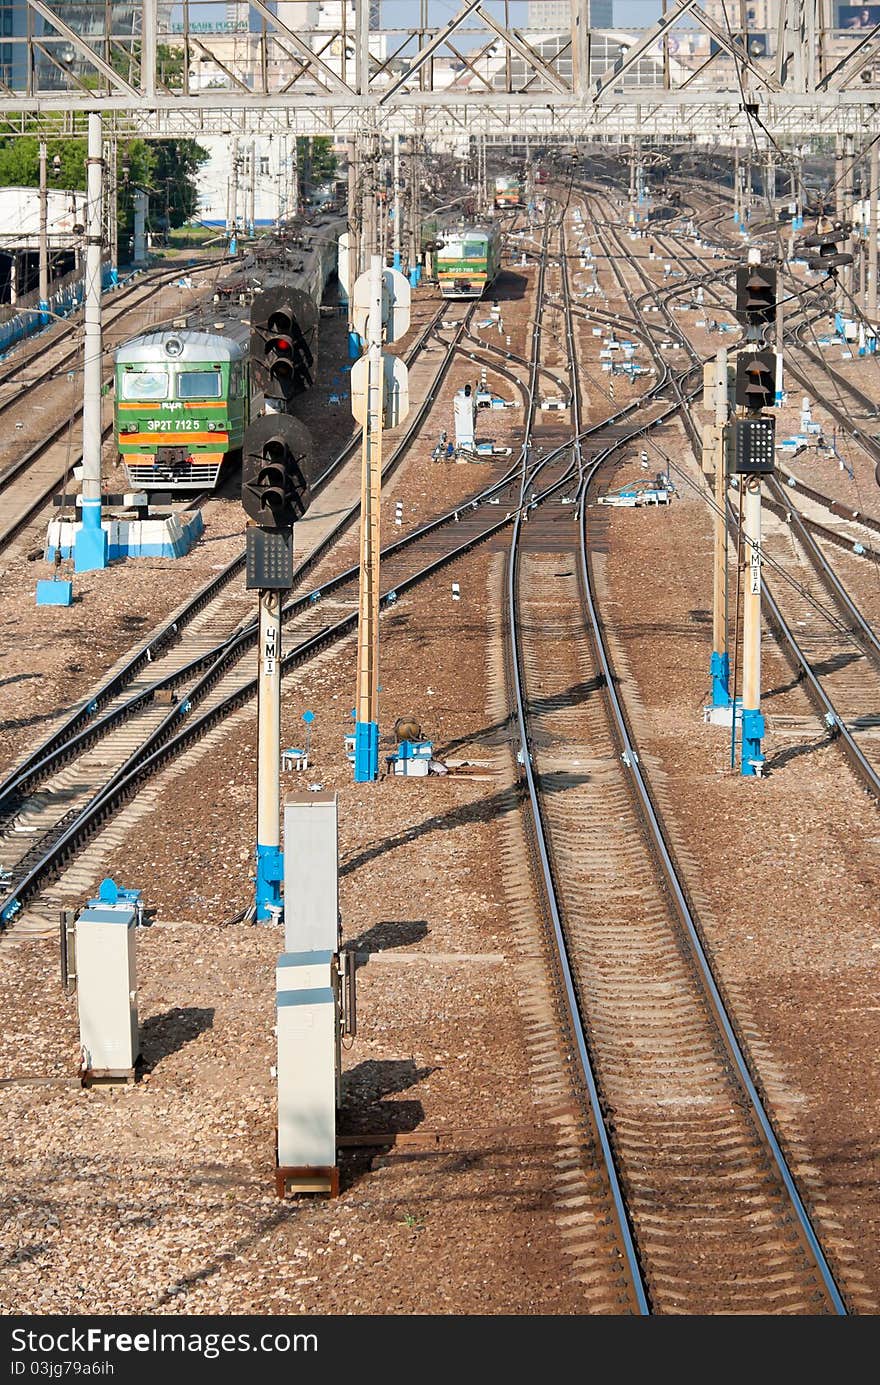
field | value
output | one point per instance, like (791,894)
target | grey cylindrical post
(395,174)
(91,486)
(872,233)
(44,230)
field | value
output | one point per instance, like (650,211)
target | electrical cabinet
(463,413)
(107,990)
(307,1031)
(303,971)
(311,860)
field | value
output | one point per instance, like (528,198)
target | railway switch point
(119,897)
(411,759)
(753,729)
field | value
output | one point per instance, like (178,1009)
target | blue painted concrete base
(128,538)
(752,735)
(270,873)
(397,260)
(366,751)
(415,276)
(720,668)
(54,592)
(89,547)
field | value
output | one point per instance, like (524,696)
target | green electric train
(182,405)
(468,261)
(184,396)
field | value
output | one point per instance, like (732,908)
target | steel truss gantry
(319,69)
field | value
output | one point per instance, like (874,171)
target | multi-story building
(87,21)
(556,14)
(13,56)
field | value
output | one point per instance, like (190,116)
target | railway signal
(750,446)
(274,493)
(755,295)
(274,485)
(824,241)
(283,326)
(755,387)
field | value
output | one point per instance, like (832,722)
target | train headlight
(212,427)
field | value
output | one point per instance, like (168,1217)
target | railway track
(136,677)
(78,778)
(675,1107)
(199,656)
(836,657)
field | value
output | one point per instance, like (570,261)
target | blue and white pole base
(270,873)
(90,544)
(720,669)
(752,735)
(366,751)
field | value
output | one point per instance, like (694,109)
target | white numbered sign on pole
(342,263)
(396,296)
(395,392)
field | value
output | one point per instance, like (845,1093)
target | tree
(175,175)
(165,169)
(324,161)
(316,161)
(20,162)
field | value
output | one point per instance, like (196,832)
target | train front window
(145,384)
(199,384)
(474,250)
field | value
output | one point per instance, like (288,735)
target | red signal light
(282,344)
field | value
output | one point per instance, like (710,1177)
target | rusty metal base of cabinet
(93,1077)
(307,1178)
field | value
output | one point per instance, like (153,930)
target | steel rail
(572,1005)
(630,759)
(173,629)
(111,795)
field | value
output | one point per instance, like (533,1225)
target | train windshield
(199,384)
(145,384)
(464,250)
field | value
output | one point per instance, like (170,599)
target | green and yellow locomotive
(182,405)
(184,397)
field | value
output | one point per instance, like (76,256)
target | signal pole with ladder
(751,451)
(720,668)
(379,398)
(366,731)
(274,494)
